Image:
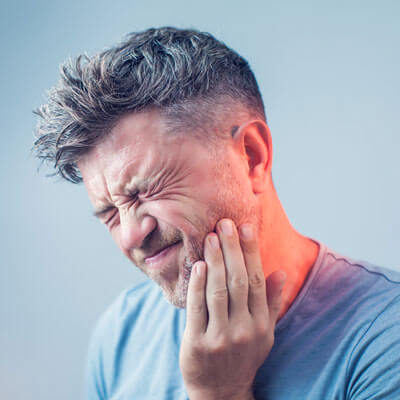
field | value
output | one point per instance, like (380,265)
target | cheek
(189,217)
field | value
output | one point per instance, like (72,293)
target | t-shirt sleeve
(95,381)
(374,367)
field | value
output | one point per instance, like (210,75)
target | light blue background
(329,74)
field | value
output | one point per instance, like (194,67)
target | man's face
(160,193)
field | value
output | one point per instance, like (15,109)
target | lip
(160,258)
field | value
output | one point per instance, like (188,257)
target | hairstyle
(185,74)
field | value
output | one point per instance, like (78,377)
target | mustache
(156,241)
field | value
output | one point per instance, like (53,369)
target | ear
(253,142)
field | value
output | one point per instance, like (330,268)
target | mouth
(160,257)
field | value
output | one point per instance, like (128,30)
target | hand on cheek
(230,318)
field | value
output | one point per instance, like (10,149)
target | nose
(134,229)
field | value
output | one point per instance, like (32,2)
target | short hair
(182,73)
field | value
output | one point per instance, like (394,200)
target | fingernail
(214,241)
(246,231)
(200,266)
(226,227)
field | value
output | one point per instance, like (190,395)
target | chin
(177,294)
(174,278)
(176,301)
(175,290)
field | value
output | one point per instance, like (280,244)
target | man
(168,133)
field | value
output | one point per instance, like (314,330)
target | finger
(257,301)
(236,273)
(275,283)
(196,309)
(216,290)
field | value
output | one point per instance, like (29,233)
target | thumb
(275,282)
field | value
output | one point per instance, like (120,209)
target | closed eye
(103,212)
(110,216)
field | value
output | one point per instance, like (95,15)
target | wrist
(206,395)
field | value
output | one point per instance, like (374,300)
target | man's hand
(231,316)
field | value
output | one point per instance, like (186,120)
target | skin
(231,316)
(150,198)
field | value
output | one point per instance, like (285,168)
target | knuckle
(275,306)
(197,347)
(239,282)
(195,308)
(262,329)
(256,280)
(220,345)
(220,293)
(242,338)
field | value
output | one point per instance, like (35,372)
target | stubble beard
(242,212)
(230,203)
(177,294)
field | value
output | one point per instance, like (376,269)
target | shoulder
(357,295)
(373,368)
(128,306)
(112,330)
(362,267)
(359,281)
(370,312)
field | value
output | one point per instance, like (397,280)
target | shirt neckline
(282,323)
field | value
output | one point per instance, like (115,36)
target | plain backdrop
(329,74)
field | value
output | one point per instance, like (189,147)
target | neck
(283,248)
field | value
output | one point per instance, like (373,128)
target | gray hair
(183,73)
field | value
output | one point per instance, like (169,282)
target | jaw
(173,279)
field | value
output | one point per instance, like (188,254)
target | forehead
(139,146)
(133,134)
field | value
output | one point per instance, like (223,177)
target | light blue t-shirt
(340,339)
